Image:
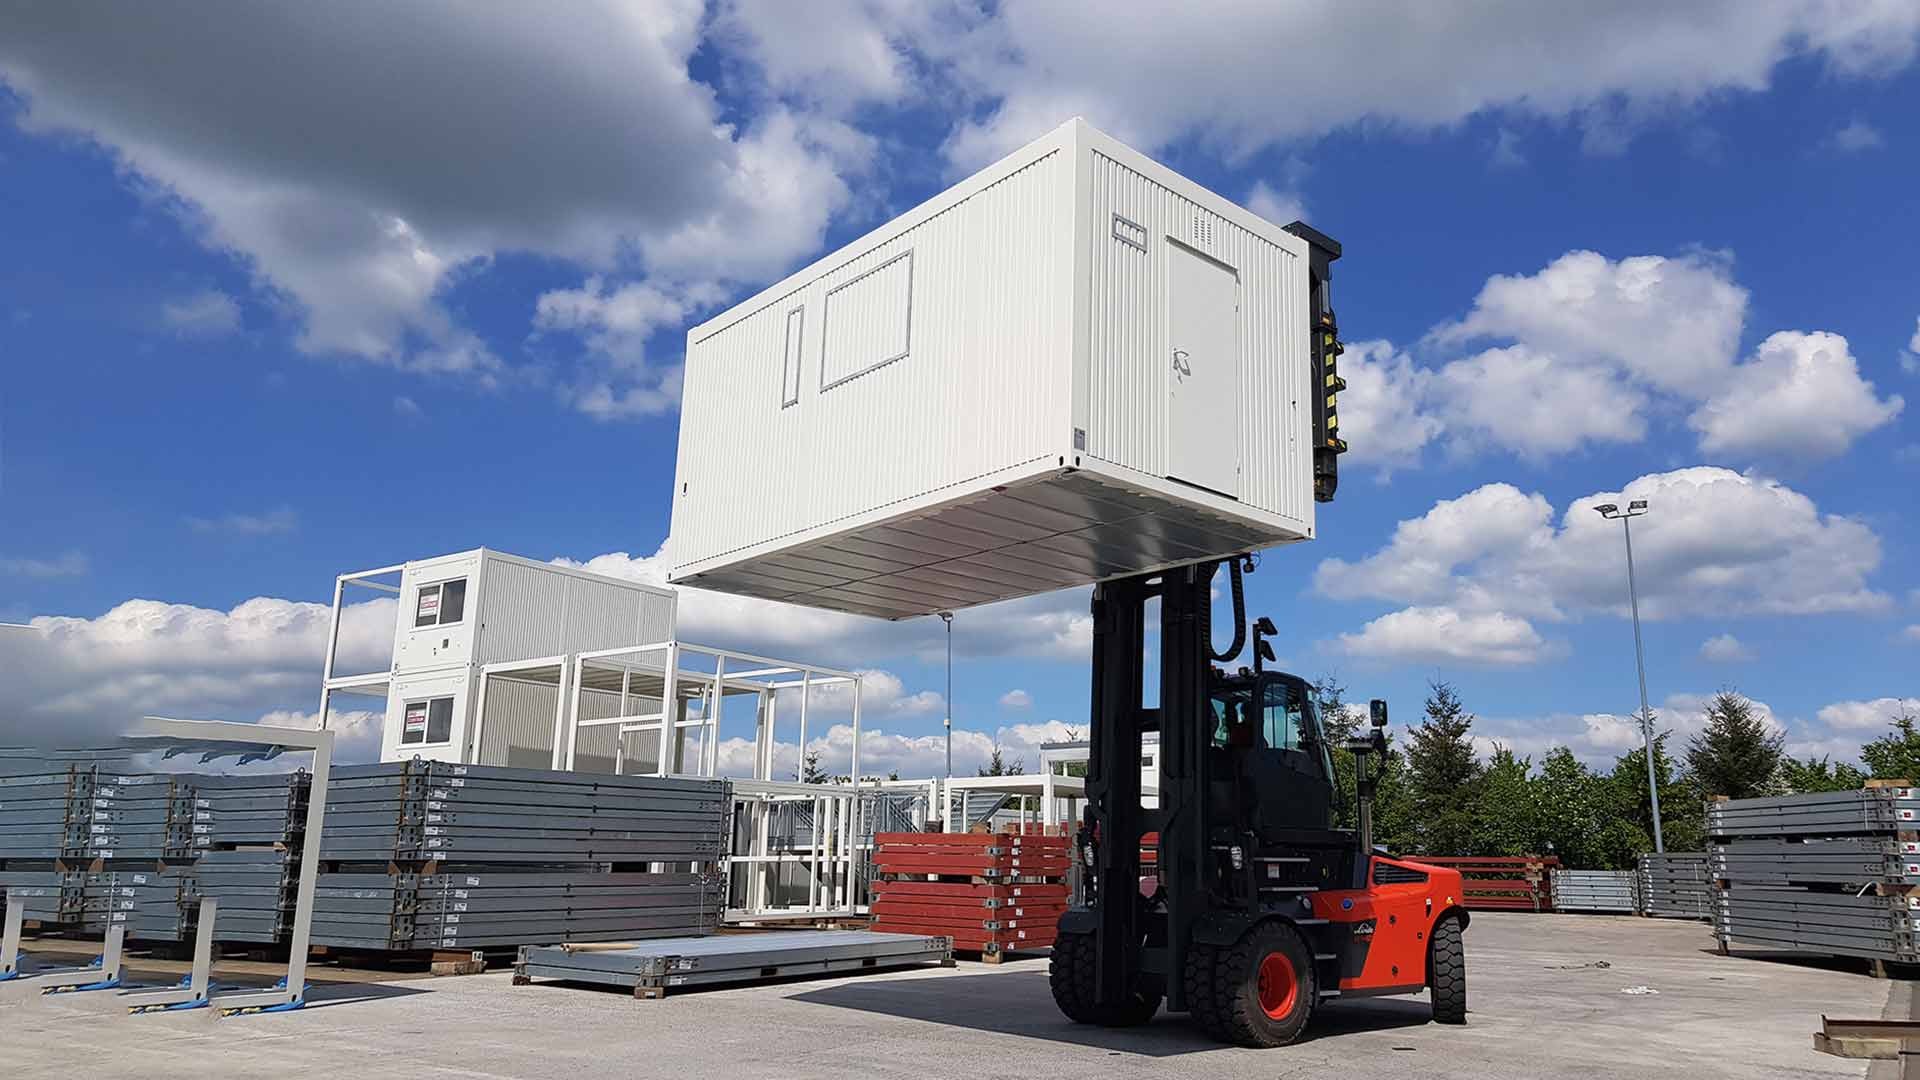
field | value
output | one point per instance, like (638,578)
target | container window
(428,722)
(867,322)
(440,604)
(790,371)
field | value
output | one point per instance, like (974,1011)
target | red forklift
(1257,908)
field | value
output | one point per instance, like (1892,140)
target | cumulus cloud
(1016,699)
(360,192)
(1279,207)
(1801,395)
(1725,649)
(1715,541)
(1385,410)
(1910,359)
(1868,716)
(1030,63)
(1442,635)
(209,313)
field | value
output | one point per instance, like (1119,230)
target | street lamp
(1612,512)
(947,617)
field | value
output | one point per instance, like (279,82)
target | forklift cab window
(1290,721)
(1232,724)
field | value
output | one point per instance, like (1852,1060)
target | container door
(1203,401)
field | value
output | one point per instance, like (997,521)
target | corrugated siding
(1127,330)
(517,727)
(984,384)
(599,616)
(524,609)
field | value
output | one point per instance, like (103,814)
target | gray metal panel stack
(431,856)
(1676,886)
(1604,891)
(80,814)
(652,969)
(424,811)
(1826,873)
(496,909)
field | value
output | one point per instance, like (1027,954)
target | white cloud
(1725,649)
(206,314)
(1800,396)
(1911,633)
(1016,699)
(66,564)
(273,522)
(1443,635)
(406,406)
(1384,412)
(1910,359)
(1858,135)
(1670,323)
(1033,63)
(1506,151)
(1535,404)
(360,192)
(1715,541)
(1279,207)
(838,53)
(1868,716)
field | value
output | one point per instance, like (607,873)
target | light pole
(1611,512)
(947,617)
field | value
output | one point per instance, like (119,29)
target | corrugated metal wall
(984,383)
(517,726)
(524,609)
(1127,384)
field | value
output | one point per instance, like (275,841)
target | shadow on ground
(1020,1004)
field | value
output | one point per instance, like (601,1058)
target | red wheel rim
(1278,985)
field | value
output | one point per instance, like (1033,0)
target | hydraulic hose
(1239,615)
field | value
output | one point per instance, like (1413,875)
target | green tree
(1735,755)
(1508,810)
(1584,815)
(1895,755)
(1444,774)
(811,772)
(1818,774)
(1682,804)
(998,765)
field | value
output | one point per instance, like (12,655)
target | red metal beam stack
(1501,883)
(993,893)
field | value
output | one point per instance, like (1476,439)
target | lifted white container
(1073,366)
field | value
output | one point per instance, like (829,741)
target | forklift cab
(1272,771)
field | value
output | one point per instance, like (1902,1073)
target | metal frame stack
(1501,882)
(1830,873)
(438,856)
(652,969)
(1615,892)
(1676,886)
(992,893)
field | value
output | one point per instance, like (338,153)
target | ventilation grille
(1389,874)
(1203,232)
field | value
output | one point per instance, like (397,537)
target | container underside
(1053,532)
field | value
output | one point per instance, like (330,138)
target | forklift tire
(1071,972)
(1447,972)
(1262,991)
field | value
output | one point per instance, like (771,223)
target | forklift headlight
(1237,857)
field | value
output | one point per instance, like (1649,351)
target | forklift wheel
(1447,972)
(1071,973)
(1263,988)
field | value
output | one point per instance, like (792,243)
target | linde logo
(1364,928)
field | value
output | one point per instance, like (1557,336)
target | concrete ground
(1548,997)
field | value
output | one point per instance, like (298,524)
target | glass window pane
(453,601)
(426,610)
(413,727)
(440,720)
(1281,719)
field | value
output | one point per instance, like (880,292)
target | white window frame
(795,352)
(439,611)
(428,727)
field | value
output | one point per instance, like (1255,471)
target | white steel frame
(235,738)
(374,684)
(1058,795)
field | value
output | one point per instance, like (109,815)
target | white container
(1073,366)
(460,612)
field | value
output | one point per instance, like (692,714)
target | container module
(1075,365)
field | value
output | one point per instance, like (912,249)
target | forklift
(1256,908)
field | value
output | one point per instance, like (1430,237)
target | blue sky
(263,324)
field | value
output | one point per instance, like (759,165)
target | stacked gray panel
(49,895)
(1871,811)
(256,810)
(416,812)
(1821,873)
(82,813)
(1604,891)
(44,813)
(1676,886)
(495,909)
